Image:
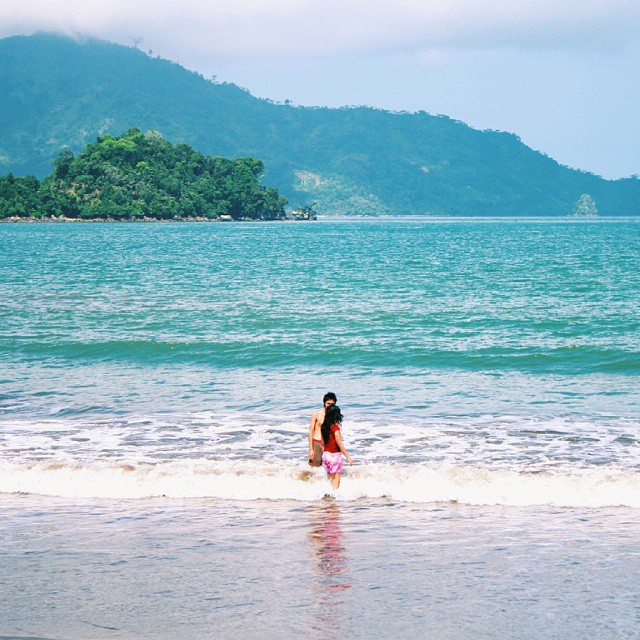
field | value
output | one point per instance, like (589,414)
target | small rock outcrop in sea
(304,213)
(585,206)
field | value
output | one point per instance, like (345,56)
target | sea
(156,386)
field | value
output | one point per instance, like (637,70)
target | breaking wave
(282,480)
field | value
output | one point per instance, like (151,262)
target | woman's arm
(340,444)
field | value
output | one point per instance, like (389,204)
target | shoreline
(64,220)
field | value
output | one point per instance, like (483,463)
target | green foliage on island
(57,92)
(136,176)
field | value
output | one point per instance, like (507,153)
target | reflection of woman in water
(332,577)
(333,446)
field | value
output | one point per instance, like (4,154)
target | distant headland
(61,93)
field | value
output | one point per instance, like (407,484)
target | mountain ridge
(57,92)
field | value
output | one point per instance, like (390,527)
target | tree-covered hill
(57,93)
(136,176)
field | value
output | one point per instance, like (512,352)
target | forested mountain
(136,176)
(57,93)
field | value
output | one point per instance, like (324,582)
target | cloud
(309,28)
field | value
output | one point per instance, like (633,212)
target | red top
(332,446)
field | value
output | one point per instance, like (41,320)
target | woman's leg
(335,480)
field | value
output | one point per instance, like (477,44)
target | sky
(563,75)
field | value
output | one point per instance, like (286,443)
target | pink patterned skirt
(332,462)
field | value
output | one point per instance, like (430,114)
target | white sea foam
(481,441)
(252,480)
(507,460)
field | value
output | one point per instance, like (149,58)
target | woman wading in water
(333,446)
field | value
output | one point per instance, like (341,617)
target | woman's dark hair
(331,416)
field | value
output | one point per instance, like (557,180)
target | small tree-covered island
(142,176)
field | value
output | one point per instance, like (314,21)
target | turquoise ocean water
(156,382)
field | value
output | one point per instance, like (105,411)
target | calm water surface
(279,569)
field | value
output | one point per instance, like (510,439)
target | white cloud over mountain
(246,28)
